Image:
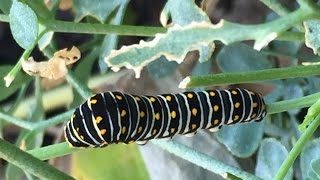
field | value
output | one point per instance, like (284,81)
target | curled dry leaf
(54,68)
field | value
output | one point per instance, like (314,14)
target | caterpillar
(114,117)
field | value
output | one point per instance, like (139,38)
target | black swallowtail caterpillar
(114,117)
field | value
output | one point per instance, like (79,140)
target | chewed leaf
(98,9)
(312,28)
(179,40)
(54,68)
(188,12)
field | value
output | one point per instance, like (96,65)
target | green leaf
(242,140)
(161,68)
(240,57)
(315,164)
(100,10)
(16,84)
(292,90)
(310,152)
(188,12)
(114,162)
(178,41)
(23,24)
(270,157)
(312,28)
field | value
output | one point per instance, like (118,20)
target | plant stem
(286,105)
(249,77)
(29,163)
(18,122)
(4,18)
(52,151)
(297,148)
(82,89)
(90,28)
(201,159)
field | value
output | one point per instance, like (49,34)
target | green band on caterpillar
(114,117)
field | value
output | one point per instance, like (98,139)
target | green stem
(291,36)
(90,28)
(18,122)
(201,159)
(297,148)
(250,77)
(52,151)
(4,18)
(82,89)
(42,125)
(29,163)
(13,73)
(302,102)
(276,7)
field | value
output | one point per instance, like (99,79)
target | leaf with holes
(188,12)
(179,40)
(101,10)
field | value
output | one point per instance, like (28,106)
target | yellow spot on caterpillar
(103,131)
(216,121)
(123,113)
(98,119)
(77,129)
(140,129)
(190,95)
(234,92)
(157,116)
(236,118)
(130,141)
(212,93)
(194,111)
(250,92)
(81,137)
(253,116)
(74,116)
(173,114)
(172,130)
(168,98)
(154,132)
(152,99)
(137,98)
(142,114)
(215,108)
(254,104)
(193,126)
(123,130)
(237,105)
(119,97)
(93,101)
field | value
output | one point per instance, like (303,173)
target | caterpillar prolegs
(114,117)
